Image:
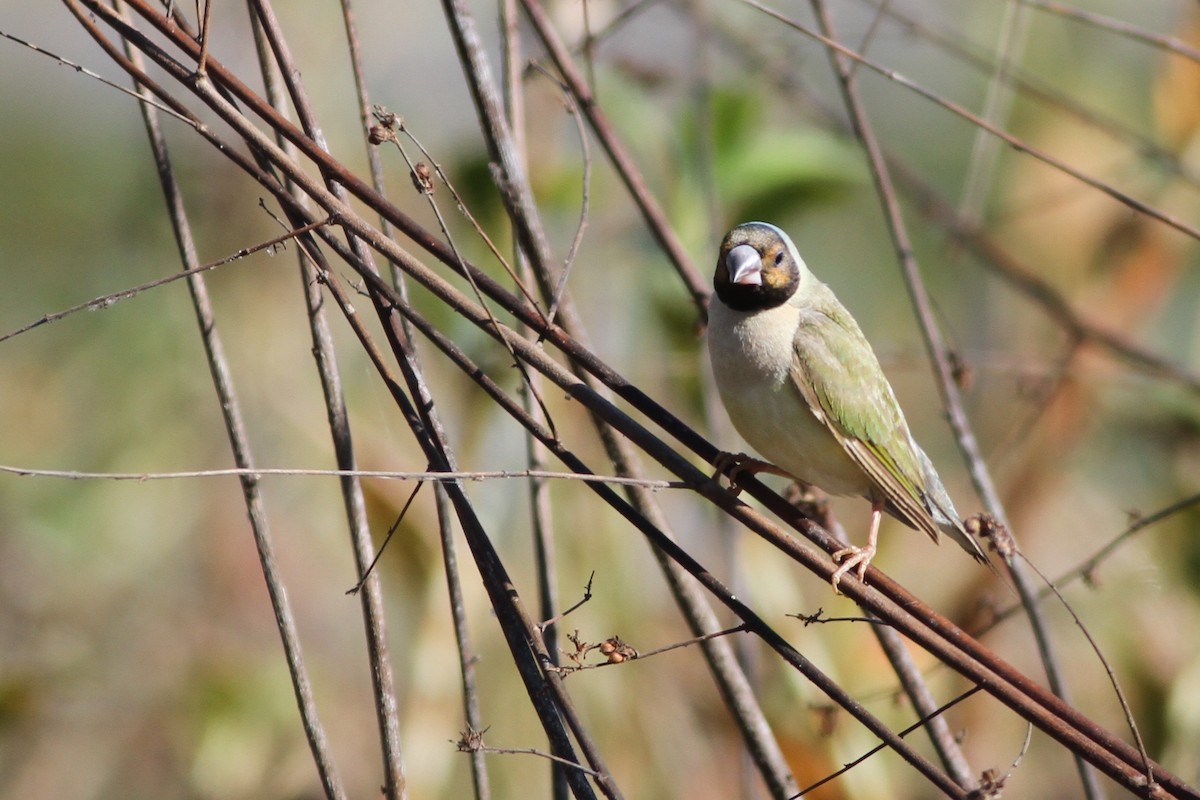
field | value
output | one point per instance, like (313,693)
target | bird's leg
(733,465)
(852,557)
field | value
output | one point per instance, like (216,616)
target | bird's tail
(942,510)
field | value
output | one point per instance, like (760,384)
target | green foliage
(764,170)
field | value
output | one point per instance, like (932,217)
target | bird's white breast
(752,355)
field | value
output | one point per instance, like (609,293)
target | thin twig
(472,742)
(529,751)
(108,300)
(141,98)
(1089,566)
(849,765)
(587,595)
(205,34)
(258,472)
(585,201)
(1112,675)
(427,192)
(356,588)
(1120,27)
(818,618)
(1086,570)
(642,655)
(394,123)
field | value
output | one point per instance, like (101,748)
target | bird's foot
(736,465)
(851,558)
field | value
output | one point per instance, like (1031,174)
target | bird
(803,387)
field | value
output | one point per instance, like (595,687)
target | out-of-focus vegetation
(138,653)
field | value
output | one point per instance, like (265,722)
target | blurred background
(138,652)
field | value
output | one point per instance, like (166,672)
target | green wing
(839,378)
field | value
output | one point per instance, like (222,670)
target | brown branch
(1113,25)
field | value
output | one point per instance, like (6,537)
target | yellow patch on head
(776,279)
(774,275)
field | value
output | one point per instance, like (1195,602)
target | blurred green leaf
(763,171)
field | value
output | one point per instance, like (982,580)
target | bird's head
(757,268)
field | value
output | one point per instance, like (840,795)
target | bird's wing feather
(831,354)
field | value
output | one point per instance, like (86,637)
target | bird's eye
(779,258)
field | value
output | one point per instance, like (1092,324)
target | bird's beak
(744,264)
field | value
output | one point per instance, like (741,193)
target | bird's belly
(767,410)
(776,423)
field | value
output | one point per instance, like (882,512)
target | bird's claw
(851,558)
(732,465)
(735,465)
